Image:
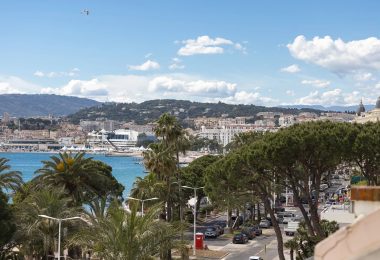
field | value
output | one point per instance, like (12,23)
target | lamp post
(195,211)
(59,229)
(142,203)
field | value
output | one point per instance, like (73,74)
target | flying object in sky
(85,12)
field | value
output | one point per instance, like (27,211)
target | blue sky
(251,52)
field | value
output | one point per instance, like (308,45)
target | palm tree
(176,139)
(125,235)
(9,180)
(160,160)
(168,128)
(148,186)
(79,176)
(37,235)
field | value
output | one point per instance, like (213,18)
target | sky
(241,52)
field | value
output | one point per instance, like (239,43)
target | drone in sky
(85,12)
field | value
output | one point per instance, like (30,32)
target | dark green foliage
(7,226)
(303,244)
(150,111)
(23,105)
(198,143)
(83,178)
(33,124)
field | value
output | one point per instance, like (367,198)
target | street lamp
(59,229)
(195,210)
(142,203)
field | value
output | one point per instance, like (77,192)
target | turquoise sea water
(125,169)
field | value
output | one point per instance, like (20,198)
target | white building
(226,133)
(287,120)
(120,138)
(123,138)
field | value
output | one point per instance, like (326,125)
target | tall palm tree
(148,186)
(9,180)
(168,128)
(38,236)
(174,137)
(77,174)
(160,160)
(122,235)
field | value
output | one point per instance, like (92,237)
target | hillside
(23,105)
(331,108)
(149,111)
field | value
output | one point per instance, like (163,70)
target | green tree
(161,161)
(194,176)
(224,184)
(82,178)
(125,235)
(303,243)
(7,225)
(37,235)
(363,149)
(9,180)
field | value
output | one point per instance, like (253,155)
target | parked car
(258,230)
(286,220)
(269,220)
(255,258)
(249,232)
(219,229)
(211,232)
(240,239)
(264,224)
(223,224)
(291,229)
(279,209)
(323,187)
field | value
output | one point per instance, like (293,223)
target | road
(264,245)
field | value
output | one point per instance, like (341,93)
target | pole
(286,196)
(195,217)
(142,208)
(59,238)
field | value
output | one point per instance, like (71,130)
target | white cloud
(148,55)
(196,87)
(291,69)
(12,84)
(206,45)
(241,48)
(290,92)
(316,83)
(336,55)
(148,65)
(244,97)
(81,88)
(176,64)
(366,76)
(39,74)
(71,73)
(329,98)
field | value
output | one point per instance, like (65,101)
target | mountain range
(30,105)
(150,111)
(330,108)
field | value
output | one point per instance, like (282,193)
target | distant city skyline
(241,52)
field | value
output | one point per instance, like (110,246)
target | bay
(125,169)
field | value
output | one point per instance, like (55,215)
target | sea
(125,169)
